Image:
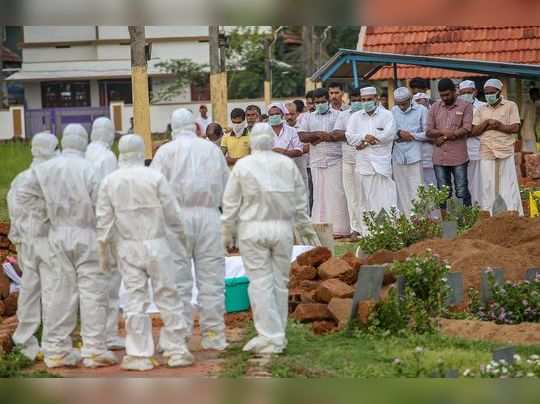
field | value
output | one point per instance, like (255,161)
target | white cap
(467,84)
(402,94)
(102,131)
(368,91)
(44,145)
(182,120)
(279,106)
(420,96)
(75,137)
(494,83)
(262,137)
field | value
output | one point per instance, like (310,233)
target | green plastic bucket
(236,294)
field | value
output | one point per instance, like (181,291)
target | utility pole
(267,71)
(309,60)
(2,66)
(139,84)
(218,78)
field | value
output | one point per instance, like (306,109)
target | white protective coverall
(69,186)
(30,235)
(197,172)
(264,200)
(135,207)
(104,161)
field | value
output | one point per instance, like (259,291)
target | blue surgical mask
(467,97)
(492,98)
(369,106)
(275,120)
(356,106)
(322,108)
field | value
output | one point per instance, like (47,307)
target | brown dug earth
(506,240)
(522,334)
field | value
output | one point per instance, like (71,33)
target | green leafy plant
(185,72)
(511,302)
(423,298)
(465,216)
(529,367)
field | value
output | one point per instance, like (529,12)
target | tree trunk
(218,79)
(139,83)
(2,104)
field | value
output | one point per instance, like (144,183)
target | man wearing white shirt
(349,160)
(325,156)
(286,139)
(467,92)
(372,131)
(291,116)
(407,153)
(204,120)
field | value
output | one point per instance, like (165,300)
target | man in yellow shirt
(236,144)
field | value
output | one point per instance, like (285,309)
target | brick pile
(8,301)
(321,290)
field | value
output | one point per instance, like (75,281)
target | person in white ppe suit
(264,200)
(31,238)
(69,187)
(100,155)
(135,207)
(197,172)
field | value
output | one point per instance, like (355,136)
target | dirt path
(207,363)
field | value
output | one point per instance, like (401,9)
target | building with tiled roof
(517,44)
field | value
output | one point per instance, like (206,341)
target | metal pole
(394,68)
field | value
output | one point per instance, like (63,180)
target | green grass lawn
(16,157)
(363,355)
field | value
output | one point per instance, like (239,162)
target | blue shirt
(414,121)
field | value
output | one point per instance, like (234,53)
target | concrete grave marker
(456,292)
(532,274)
(449,229)
(401,286)
(381,216)
(360,253)
(499,205)
(368,287)
(505,354)
(485,287)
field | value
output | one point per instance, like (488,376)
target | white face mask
(238,128)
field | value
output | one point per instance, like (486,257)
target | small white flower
(530,374)
(448,266)
(467,372)
(517,358)
(419,350)
(397,361)
(534,357)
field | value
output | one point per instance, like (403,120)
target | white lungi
(408,177)
(375,192)
(475,181)
(508,186)
(351,194)
(329,202)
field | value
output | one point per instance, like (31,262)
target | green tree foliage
(185,72)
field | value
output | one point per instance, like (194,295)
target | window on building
(115,90)
(59,94)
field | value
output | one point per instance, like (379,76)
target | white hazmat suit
(135,207)
(69,187)
(104,161)
(264,200)
(197,172)
(30,234)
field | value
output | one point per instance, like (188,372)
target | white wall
(6,126)
(113,32)
(160,84)
(94,93)
(113,52)
(50,33)
(52,54)
(198,52)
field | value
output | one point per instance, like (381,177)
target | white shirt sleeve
(354,138)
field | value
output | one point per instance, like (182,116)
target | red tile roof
(8,55)
(518,44)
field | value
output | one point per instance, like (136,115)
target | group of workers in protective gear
(82,222)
